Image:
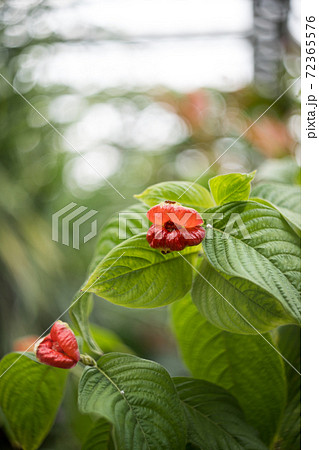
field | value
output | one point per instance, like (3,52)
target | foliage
(214,417)
(231,187)
(232,362)
(236,312)
(40,174)
(30,394)
(138,397)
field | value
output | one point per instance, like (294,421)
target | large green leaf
(120,226)
(189,194)
(235,304)
(231,187)
(30,394)
(136,275)
(269,257)
(285,198)
(99,437)
(247,366)
(214,418)
(139,398)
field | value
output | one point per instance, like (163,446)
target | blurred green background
(146,92)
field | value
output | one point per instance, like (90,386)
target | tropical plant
(235,308)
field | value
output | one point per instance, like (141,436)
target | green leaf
(247,366)
(285,198)
(235,304)
(134,274)
(99,437)
(189,194)
(215,420)
(268,257)
(231,187)
(120,226)
(109,236)
(139,398)
(30,395)
(79,312)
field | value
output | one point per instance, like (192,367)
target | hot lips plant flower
(174,227)
(59,348)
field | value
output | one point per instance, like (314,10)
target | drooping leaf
(134,274)
(285,198)
(139,398)
(99,437)
(188,194)
(79,312)
(214,418)
(30,395)
(246,365)
(119,227)
(261,248)
(289,344)
(231,187)
(235,304)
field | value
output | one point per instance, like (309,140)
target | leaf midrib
(124,396)
(163,261)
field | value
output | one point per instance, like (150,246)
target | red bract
(59,348)
(176,213)
(174,227)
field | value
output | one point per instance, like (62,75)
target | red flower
(174,227)
(59,348)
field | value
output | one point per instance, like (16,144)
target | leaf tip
(252,174)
